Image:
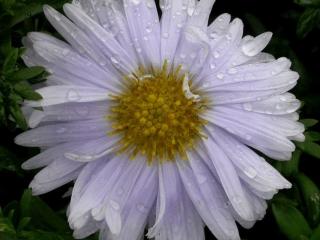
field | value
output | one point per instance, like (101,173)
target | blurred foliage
(296,212)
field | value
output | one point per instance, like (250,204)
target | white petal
(144,27)
(208,199)
(64,94)
(64,132)
(56,174)
(256,45)
(105,40)
(229,179)
(259,133)
(201,14)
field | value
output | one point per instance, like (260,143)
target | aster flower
(161,124)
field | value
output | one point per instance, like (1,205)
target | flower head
(157,121)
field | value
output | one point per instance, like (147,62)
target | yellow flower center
(157,115)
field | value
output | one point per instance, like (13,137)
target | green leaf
(313,136)
(290,168)
(309,122)
(26,91)
(26,74)
(43,235)
(308,2)
(18,116)
(41,213)
(316,234)
(10,61)
(30,9)
(23,223)
(310,148)
(308,21)
(311,196)
(8,160)
(5,46)
(291,221)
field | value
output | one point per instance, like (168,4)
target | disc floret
(155,117)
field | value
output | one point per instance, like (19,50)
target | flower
(157,121)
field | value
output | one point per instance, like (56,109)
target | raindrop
(57,17)
(236,199)
(145,38)
(202,179)
(120,191)
(114,205)
(139,50)
(82,111)
(279,106)
(248,137)
(229,37)
(212,66)
(247,107)
(179,25)
(216,54)
(61,130)
(73,95)
(136,2)
(65,51)
(232,71)
(149,28)
(213,35)
(250,172)
(183,56)
(165,35)
(150,4)
(220,76)
(141,208)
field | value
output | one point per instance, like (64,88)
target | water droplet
(73,95)
(165,35)
(141,208)
(65,51)
(149,28)
(250,172)
(229,37)
(114,205)
(114,60)
(179,25)
(232,71)
(248,137)
(150,4)
(236,199)
(183,56)
(145,38)
(202,179)
(247,107)
(61,130)
(57,17)
(279,106)
(82,111)
(212,66)
(220,76)
(216,54)
(213,35)
(120,191)
(139,50)
(136,2)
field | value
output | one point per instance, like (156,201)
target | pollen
(156,116)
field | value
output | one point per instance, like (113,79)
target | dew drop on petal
(250,172)
(220,76)
(202,179)
(232,71)
(136,2)
(247,107)
(114,205)
(73,95)
(248,137)
(141,208)
(216,54)
(61,130)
